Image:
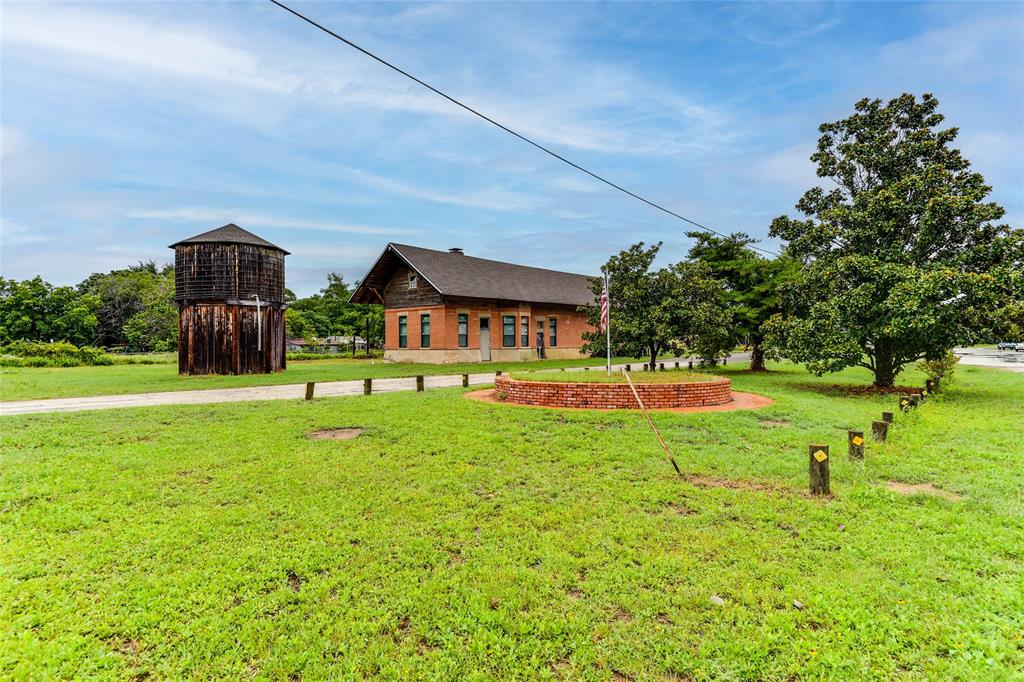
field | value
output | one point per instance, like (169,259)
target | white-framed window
(414,280)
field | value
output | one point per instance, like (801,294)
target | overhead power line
(508,130)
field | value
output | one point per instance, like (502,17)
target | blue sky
(129,126)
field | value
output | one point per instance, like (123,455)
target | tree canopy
(901,258)
(751,284)
(329,313)
(656,310)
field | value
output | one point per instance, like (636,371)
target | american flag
(604,307)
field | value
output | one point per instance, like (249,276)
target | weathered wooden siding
(221,338)
(214,271)
(215,286)
(397,293)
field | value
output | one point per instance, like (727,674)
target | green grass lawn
(461,540)
(601,377)
(27,383)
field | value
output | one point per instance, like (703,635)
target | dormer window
(413,280)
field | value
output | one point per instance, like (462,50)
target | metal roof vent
(455,249)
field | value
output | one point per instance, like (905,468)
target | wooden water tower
(229,287)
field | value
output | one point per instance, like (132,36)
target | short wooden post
(855,441)
(465,381)
(586,369)
(725,361)
(677,364)
(309,389)
(879,430)
(419,382)
(367,386)
(661,366)
(904,403)
(497,373)
(887,417)
(628,368)
(690,366)
(915,399)
(929,386)
(819,469)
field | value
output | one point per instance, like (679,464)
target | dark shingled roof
(229,234)
(455,274)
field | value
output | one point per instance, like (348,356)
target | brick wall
(444,321)
(613,396)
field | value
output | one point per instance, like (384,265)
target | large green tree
(145,290)
(902,259)
(657,310)
(752,284)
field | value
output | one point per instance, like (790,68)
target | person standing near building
(540,343)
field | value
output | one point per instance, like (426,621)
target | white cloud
(491,198)
(181,49)
(251,218)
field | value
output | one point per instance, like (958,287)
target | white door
(485,339)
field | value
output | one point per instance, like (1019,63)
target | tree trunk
(885,367)
(654,355)
(757,355)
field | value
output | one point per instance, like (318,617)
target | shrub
(940,368)
(57,354)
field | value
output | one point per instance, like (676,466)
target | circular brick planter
(717,391)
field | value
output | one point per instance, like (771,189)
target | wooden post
(419,383)
(725,361)
(915,399)
(904,403)
(691,364)
(309,389)
(887,417)
(497,373)
(465,381)
(879,430)
(586,369)
(367,386)
(677,364)
(855,441)
(661,366)
(628,368)
(818,455)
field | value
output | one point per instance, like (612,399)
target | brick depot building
(445,306)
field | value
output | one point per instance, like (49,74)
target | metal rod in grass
(650,421)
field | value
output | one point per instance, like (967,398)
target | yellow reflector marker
(857,440)
(904,402)
(820,456)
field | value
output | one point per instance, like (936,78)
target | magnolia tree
(902,259)
(657,310)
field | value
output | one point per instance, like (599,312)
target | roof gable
(229,234)
(455,274)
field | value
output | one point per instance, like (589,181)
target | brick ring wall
(718,391)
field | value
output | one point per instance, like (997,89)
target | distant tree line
(329,313)
(134,309)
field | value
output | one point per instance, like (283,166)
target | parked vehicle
(1008,345)
(1020,347)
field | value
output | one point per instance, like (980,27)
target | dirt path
(230,395)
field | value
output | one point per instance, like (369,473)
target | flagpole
(608,323)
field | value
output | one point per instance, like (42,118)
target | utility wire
(508,130)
